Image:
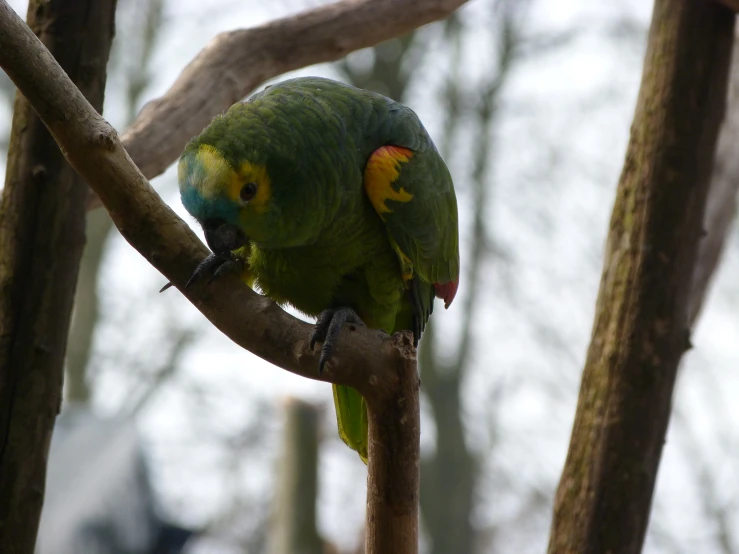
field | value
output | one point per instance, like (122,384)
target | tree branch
(381,368)
(641,327)
(236,62)
(92,147)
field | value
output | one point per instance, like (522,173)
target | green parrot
(331,199)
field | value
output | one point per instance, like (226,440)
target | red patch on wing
(447,291)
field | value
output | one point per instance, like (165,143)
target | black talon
(231,265)
(208,267)
(321,328)
(165,287)
(214,266)
(327,330)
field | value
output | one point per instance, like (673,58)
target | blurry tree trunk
(293,528)
(722,197)
(86,307)
(642,320)
(139,24)
(42,232)
(386,75)
(449,476)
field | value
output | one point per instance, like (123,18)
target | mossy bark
(42,232)
(641,327)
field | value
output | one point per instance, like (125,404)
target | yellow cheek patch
(218,177)
(382,170)
(214,171)
(251,173)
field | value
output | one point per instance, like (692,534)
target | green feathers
(344,200)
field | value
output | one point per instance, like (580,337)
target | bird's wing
(412,192)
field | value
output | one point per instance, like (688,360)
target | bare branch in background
(162,374)
(716,511)
(236,62)
(450,475)
(641,325)
(386,76)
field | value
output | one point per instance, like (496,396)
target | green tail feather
(351,416)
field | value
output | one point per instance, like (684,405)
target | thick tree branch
(393,479)
(642,320)
(236,62)
(42,233)
(366,359)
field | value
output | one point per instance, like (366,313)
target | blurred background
(172,439)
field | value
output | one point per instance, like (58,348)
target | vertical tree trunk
(42,219)
(393,477)
(294,520)
(642,317)
(86,307)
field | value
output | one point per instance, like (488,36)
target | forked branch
(365,359)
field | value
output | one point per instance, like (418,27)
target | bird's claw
(231,265)
(207,268)
(327,330)
(212,267)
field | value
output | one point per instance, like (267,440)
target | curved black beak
(223,238)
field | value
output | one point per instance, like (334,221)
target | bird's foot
(327,330)
(212,267)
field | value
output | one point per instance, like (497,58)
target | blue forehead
(208,208)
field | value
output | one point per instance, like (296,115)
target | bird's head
(243,181)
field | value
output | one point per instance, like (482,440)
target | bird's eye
(248,191)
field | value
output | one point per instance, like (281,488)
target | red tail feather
(447,291)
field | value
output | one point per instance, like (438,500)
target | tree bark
(393,477)
(42,218)
(642,322)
